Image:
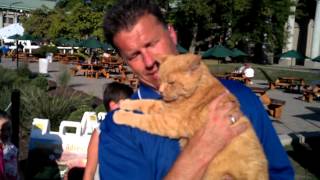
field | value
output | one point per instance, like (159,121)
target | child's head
(5,127)
(113,93)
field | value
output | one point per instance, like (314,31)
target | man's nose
(148,59)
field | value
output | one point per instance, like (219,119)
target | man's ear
(113,105)
(173,34)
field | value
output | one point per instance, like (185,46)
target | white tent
(11,30)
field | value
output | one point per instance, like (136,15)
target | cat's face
(179,76)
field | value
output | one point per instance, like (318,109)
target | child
(10,152)
(113,93)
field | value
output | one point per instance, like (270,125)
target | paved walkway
(299,119)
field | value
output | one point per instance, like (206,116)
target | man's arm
(206,143)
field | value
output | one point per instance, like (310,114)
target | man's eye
(132,57)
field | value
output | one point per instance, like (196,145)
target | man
(138,30)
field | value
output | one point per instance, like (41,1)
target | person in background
(246,71)
(20,47)
(1,54)
(113,93)
(10,151)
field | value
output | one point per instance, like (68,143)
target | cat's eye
(171,82)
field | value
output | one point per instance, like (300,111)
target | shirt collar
(147,92)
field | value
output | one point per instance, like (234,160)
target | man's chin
(152,81)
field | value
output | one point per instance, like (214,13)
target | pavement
(299,120)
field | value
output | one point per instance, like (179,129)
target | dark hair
(115,91)
(6,126)
(125,14)
(4,115)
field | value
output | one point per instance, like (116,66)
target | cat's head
(179,76)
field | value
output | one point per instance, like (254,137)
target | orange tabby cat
(188,88)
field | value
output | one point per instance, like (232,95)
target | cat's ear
(195,62)
(160,58)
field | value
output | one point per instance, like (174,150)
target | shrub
(100,108)
(41,82)
(64,77)
(7,77)
(24,71)
(5,97)
(37,103)
(43,50)
(77,114)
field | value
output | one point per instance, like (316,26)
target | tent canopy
(11,30)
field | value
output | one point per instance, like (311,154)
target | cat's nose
(161,88)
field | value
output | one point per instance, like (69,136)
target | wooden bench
(275,108)
(309,94)
(278,84)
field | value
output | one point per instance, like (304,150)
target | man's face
(139,45)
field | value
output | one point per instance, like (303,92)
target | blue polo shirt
(129,153)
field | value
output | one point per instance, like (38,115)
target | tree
(69,19)
(38,22)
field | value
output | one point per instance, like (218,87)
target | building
(12,10)
(304,34)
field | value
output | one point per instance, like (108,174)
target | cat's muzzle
(232,119)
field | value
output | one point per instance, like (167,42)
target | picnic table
(274,106)
(289,83)
(311,93)
(262,93)
(238,76)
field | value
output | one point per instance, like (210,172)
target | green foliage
(77,114)
(199,23)
(38,23)
(7,77)
(41,82)
(37,103)
(24,71)
(5,97)
(71,19)
(64,77)
(43,50)
(100,108)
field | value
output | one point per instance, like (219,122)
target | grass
(266,72)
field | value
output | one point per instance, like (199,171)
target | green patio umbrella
(27,37)
(92,43)
(181,49)
(292,54)
(23,37)
(237,52)
(107,47)
(72,42)
(218,51)
(316,59)
(19,37)
(61,41)
(15,37)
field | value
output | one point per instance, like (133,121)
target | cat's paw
(121,116)
(127,104)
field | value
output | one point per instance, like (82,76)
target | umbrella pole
(17,57)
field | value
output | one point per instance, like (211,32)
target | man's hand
(207,142)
